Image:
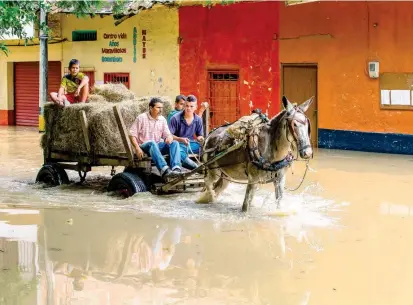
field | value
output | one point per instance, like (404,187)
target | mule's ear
(287,104)
(304,106)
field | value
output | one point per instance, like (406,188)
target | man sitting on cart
(180,101)
(150,134)
(188,130)
(74,87)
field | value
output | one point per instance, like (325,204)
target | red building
(229,57)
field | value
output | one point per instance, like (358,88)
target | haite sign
(114,47)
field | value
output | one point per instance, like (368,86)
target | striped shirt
(146,128)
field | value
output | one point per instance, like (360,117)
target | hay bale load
(65,129)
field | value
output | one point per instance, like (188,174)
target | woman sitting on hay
(74,87)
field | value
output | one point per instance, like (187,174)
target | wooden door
(223,97)
(299,83)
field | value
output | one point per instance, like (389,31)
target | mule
(288,130)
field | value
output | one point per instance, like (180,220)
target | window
(117,78)
(84,35)
(396,91)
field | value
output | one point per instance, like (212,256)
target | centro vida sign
(114,47)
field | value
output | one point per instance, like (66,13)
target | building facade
(325,50)
(142,53)
(353,57)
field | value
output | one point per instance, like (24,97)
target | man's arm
(166,133)
(85,81)
(199,130)
(139,151)
(133,135)
(61,92)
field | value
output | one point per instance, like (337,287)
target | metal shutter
(26,90)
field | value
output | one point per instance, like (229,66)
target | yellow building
(142,52)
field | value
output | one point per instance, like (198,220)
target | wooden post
(43,68)
(85,129)
(123,134)
(207,117)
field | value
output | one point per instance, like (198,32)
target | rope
(258,182)
(302,179)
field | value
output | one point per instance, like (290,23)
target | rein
(258,160)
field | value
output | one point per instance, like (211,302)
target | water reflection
(73,256)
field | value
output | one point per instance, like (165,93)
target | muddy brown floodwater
(343,238)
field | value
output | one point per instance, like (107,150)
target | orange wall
(347,98)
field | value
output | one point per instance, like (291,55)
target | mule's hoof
(206,197)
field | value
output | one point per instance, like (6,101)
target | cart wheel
(52,175)
(126,184)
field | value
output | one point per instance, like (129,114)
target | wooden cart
(137,176)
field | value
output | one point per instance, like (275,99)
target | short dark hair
(180,97)
(73,62)
(191,98)
(154,101)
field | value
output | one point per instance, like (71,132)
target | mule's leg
(279,185)
(209,194)
(249,194)
(220,185)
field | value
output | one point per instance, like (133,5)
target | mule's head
(299,126)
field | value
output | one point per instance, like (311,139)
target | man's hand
(185,141)
(200,139)
(204,106)
(139,152)
(77,92)
(169,139)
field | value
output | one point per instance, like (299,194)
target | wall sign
(135,33)
(115,47)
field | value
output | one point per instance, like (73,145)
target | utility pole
(43,70)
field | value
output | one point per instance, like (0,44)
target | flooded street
(343,238)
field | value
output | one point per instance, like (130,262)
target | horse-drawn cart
(256,150)
(138,175)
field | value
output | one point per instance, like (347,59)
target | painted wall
(341,38)
(18,54)
(158,73)
(232,36)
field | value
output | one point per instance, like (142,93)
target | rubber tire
(52,175)
(127,184)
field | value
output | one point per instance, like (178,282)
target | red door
(223,97)
(26,90)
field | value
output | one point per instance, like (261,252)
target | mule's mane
(275,129)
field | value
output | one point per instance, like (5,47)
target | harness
(249,130)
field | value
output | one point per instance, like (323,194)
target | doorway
(223,96)
(299,83)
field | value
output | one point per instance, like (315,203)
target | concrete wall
(233,36)
(157,74)
(341,38)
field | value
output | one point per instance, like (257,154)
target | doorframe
(223,69)
(309,64)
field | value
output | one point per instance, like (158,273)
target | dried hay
(64,126)
(96,98)
(242,127)
(114,93)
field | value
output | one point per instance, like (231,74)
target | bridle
(293,118)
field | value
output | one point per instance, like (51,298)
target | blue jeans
(185,151)
(156,150)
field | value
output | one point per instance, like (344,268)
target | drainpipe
(43,70)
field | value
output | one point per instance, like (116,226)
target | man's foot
(169,174)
